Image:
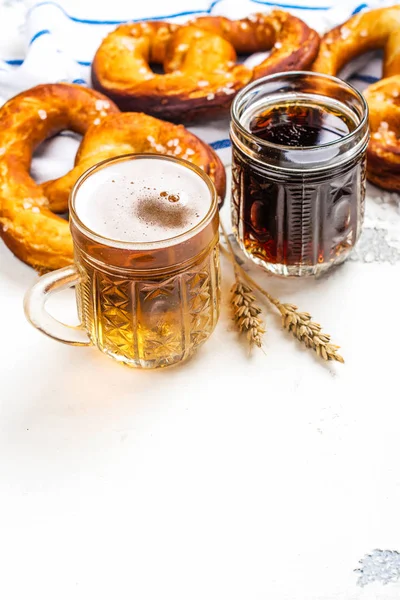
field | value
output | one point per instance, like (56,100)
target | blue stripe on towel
(359,8)
(79,81)
(185,13)
(365,78)
(220,144)
(38,35)
(291,6)
(14,62)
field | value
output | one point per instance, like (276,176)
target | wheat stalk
(246,312)
(298,323)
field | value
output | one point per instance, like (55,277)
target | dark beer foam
(142,200)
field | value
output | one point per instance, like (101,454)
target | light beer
(145,233)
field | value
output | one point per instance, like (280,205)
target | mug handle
(36,313)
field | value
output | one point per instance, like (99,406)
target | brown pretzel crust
(27,224)
(371,30)
(201,77)
(294,45)
(127,133)
(383,155)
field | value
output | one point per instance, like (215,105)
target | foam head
(143,200)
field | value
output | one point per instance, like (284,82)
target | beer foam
(142,200)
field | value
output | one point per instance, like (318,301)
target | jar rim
(143,246)
(289,75)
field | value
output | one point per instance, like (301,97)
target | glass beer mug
(146,272)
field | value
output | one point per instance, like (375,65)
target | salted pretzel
(383,155)
(375,29)
(28,224)
(372,30)
(200,76)
(127,133)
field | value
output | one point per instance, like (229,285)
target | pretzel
(375,29)
(200,76)
(383,154)
(372,30)
(127,133)
(28,224)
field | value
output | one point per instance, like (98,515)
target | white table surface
(231,477)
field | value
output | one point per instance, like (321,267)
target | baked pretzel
(28,224)
(383,154)
(127,133)
(375,29)
(200,76)
(372,30)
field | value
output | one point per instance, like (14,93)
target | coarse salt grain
(226,90)
(189,151)
(5,227)
(203,83)
(97,121)
(244,26)
(384,126)
(2,151)
(182,47)
(178,150)
(344,33)
(26,204)
(211,96)
(35,209)
(395,93)
(142,70)
(278,44)
(128,44)
(102,104)
(42,114)
(363,33)
(150,139)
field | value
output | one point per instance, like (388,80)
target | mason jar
(299,143)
